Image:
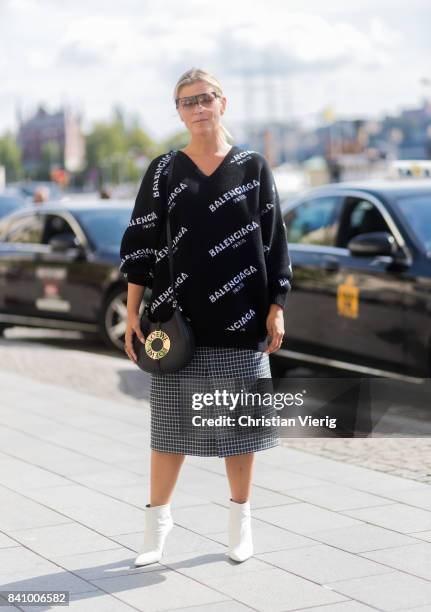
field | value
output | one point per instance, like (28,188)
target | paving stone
(103,563)
(391,591)
(179,541)
(322,563)
(344,606)
(95,601)
(303,518)
(398,517)
(422,535)
(334,497)
(64,539)
(362,538)
(414,559)
(268,538)
(223,606)
(21,569)
(18,512)
(203,519)
(274,590)
(159,590)
(6,542)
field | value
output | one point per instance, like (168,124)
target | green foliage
(116,150)
(10,157)
(112,147)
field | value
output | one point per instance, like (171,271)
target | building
(51,140)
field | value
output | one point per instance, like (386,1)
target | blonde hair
(196,74)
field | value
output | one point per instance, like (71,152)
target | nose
(198,106)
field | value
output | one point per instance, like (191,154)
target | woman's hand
(133,327)
(275,327)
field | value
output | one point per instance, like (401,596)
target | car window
(362,217)
(25,230)
(105,226)
(56,227)
(313,222)
(417,211)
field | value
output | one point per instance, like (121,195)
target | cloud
(304,43)
(99,52)
(76,55)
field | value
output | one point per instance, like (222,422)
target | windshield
(417,211)
(105,227)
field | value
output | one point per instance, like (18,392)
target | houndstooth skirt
(173,404)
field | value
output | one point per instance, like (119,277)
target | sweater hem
(246,343)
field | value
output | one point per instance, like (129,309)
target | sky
(276,60)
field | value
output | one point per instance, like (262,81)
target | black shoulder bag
(169,345)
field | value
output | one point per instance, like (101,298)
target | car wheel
(114,318)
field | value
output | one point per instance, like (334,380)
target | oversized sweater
(230,251)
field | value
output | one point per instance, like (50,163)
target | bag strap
(168,230)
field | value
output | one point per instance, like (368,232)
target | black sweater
(230,250)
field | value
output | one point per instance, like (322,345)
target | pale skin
(207,148)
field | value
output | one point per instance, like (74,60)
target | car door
(65,283)
(21,243)
(311,229)
(369,297)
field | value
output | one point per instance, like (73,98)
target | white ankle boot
(240,537)
(158,523)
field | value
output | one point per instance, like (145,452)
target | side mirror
(64,242)
(373,243)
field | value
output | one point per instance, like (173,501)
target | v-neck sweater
(230,251)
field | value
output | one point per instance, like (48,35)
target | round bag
(169,345)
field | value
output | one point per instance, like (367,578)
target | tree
(10,157)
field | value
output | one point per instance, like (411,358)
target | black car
(59,268)
(361,292)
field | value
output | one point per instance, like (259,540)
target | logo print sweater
(229,242)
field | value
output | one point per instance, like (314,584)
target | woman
(232,274)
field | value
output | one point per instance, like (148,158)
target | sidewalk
(329,537)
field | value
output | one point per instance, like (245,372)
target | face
(200,118)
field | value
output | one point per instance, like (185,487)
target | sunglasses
(204,99)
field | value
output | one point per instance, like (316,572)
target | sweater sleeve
(139,244)
(274,237)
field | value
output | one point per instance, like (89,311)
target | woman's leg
(165,468)
(239,470)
